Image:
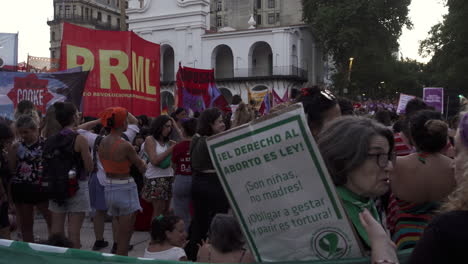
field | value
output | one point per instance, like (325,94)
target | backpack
(60,162)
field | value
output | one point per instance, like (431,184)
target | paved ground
(140,240)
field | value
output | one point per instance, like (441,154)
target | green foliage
(448,43)
(366,30)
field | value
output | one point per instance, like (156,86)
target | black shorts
(4,221)
(27,193)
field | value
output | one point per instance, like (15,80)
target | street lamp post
(350,67)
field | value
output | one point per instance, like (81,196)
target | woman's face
(459,162)
(167,129)
(371,179)
(29,135)
(218,125)
(178,236)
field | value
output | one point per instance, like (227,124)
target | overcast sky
(29,18)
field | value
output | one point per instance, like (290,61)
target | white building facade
(282,58)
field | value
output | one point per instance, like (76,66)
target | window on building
(277,17)
(109,19)
(86,13)
(118,3)
(108,2)
(259,4)
(82,12)
(271,3)
(53,36)
(259,19)
(219,21)
(74,10)
(126,4)
(67,11)
(118,22)
(53,54)
(99,16)
(271,18)
(219,5)
(60,11)
(91,13)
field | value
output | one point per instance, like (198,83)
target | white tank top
(157,172)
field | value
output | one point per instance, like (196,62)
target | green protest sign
(280,190)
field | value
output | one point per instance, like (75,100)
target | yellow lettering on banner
(149,89)
(72,58)
(137,73)
(118,70)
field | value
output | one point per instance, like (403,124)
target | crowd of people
(401,179)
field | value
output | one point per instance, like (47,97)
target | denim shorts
(122,199)
(79,203)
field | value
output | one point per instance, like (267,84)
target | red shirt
(181,158)
(401,148)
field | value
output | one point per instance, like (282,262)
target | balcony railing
(291,72)
(258,72)
(83,20)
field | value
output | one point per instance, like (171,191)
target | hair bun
(111,121)
(436,127)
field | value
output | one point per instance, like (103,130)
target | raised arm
(133,157)
(150,149)
(131,119)
(81,146)
(89,125)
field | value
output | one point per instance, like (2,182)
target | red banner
(196,90)
(124,69)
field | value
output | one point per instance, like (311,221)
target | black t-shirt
(5,175)
(445,240)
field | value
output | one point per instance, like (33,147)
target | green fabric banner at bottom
(14,252)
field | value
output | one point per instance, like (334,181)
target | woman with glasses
(159,177)
(320,106)
(422,179)
(359,156)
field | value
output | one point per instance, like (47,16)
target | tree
(448,43)
(366,30)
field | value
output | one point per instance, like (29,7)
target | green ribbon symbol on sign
(329,243)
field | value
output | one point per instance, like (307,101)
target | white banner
(404,99)
(8,49)
(280,190)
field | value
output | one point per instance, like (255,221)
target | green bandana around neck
(355,204)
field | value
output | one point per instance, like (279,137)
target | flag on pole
(279,100)
(266,105)
(9,51)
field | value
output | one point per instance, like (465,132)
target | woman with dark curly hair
(168,237)
(320,107)
(159,177)
(208,197)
